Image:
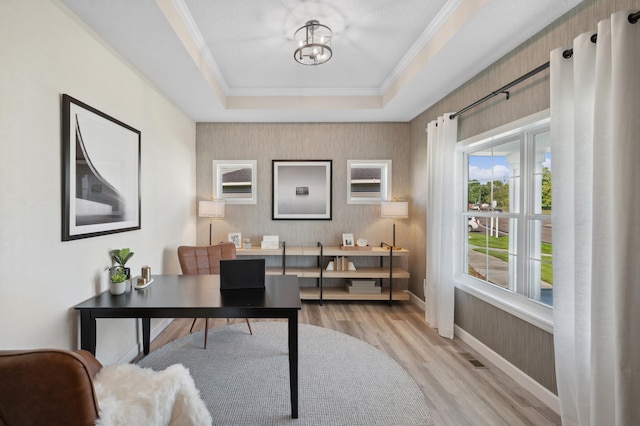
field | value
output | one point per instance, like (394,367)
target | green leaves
(121,256)
(117,275)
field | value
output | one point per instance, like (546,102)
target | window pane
(493,178)
(542,173)
(540,285)
(236,181)
(491,250)
(365,181)
(368,181)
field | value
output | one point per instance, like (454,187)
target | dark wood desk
(196,296)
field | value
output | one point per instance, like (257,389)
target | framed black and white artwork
(101,173)
(301,189)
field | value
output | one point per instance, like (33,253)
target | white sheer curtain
(595,133)
(442,135)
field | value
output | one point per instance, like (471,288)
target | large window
(506,208)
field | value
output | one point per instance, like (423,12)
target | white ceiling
(232,60)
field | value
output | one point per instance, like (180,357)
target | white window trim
(514,303)
(385,181)
(218,166)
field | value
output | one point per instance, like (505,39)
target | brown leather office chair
(204,260)
(48,386)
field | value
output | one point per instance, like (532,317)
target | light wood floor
(456,392)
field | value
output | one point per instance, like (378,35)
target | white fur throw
(132,395)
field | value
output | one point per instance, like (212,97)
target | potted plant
(118,280)
(121,257)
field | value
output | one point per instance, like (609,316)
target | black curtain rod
(501,90)
(633,18)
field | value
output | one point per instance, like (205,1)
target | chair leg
(249,325)
(206,331)
(192,324)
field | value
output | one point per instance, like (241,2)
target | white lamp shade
(394,209)
(212,208)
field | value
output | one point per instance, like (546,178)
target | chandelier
(313,42)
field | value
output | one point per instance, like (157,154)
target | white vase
(117,288)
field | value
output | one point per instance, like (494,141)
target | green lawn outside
(546,268)
(480,240)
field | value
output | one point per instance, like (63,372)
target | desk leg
(146,335)
(293,362)
(87,331)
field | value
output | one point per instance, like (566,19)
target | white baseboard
(160,327)
(133,352)
(130,354)
(416,300)
(539,391)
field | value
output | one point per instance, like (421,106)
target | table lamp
(394,209)
(213,209)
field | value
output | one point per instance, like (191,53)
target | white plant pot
(117,288)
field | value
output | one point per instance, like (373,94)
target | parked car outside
(473,223)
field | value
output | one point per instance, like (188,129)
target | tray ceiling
(232,61)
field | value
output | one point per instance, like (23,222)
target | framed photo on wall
(101,173)
(302,189)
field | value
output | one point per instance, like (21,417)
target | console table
(323,254)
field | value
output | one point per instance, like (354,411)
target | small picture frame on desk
(236,239)
(347,240)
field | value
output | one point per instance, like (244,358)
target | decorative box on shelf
(270,242)
(364,290)
(363,287)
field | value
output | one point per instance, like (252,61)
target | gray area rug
(244,379)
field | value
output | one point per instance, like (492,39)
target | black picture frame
(100,173)
(302,189)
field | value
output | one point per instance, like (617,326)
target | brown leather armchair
(48,387)
(203,260)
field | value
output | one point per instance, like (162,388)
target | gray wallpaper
(338,142)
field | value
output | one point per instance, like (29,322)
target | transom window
(506,210)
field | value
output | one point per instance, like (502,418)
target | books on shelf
(341,263)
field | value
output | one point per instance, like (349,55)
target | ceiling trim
(422,41)
(185,28)
(304,102)
(455,23)
(303,92)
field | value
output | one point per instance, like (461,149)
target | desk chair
(205,261)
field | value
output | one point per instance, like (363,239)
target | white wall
(45,52)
